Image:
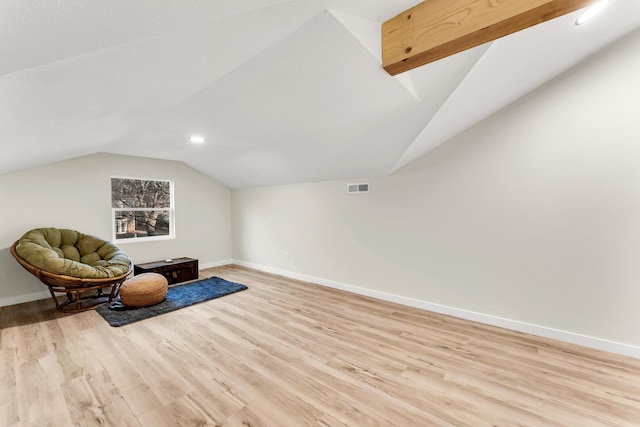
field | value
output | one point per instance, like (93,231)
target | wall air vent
(358,188)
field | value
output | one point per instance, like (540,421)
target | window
(142,209)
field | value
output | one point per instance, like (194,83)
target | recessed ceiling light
(592,11)
(197,139)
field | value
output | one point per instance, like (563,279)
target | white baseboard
(202,266)
(19,299)
(543,331)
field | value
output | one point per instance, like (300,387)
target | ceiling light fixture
(592,11)
(196,139)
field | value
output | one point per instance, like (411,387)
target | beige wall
(532,215)
(76,194)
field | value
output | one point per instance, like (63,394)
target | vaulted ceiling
(283,91)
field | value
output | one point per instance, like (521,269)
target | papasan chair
(78,265)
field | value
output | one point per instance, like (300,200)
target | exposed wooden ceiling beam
(435,29)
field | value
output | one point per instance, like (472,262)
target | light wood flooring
(288,353)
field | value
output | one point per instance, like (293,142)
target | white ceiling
(284,91)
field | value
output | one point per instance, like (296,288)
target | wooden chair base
(83,299)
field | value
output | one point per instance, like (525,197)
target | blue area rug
(178,296)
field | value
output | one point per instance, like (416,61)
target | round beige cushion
(144,290)
(71,253)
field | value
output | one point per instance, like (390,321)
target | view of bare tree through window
(141,208)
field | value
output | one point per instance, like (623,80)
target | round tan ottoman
(144,290)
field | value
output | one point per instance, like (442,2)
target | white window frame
(117,228)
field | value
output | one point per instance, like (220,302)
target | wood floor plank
(290,353)
(39,397)
(8,391)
